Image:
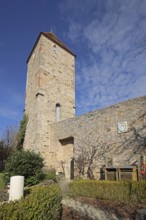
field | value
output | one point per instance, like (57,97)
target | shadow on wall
(90,154)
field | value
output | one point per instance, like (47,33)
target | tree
(26,163)
(88,154)
(7,144)
(9,136)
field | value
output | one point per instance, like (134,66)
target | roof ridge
(56,40)
(51,36)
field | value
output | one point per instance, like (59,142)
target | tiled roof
(53,38)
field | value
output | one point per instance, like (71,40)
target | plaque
(122,127)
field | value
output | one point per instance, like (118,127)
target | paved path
(63,183)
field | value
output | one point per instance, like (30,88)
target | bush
(120,191)
(42,203)
(50,176)
(25,163)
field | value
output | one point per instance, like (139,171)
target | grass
(2,184)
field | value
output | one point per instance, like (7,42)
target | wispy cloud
(17,97)
(10,104)
(111,35)
(9,112)
(9,116)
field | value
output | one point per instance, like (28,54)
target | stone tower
(50,90)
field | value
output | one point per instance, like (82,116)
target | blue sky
(108,37)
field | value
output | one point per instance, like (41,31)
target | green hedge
(122,191)
(42,203)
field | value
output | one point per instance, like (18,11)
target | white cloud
(11,104)
(16,97)
(76,29)
(111,35)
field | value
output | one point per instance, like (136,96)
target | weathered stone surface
(95,209)
(50,81)
(141,214)
(99,128)
(91,212)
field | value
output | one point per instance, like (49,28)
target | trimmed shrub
(26,163)
(42,203)
(120,191)
(138,192)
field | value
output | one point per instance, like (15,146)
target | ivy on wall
(21,133)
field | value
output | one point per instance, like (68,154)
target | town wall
(99,130)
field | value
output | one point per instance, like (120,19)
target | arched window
(58,112)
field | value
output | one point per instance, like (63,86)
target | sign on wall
(122,127)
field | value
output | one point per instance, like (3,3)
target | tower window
(58,112)
(54,48)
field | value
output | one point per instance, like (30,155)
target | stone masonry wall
(50,81)
(99,129)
